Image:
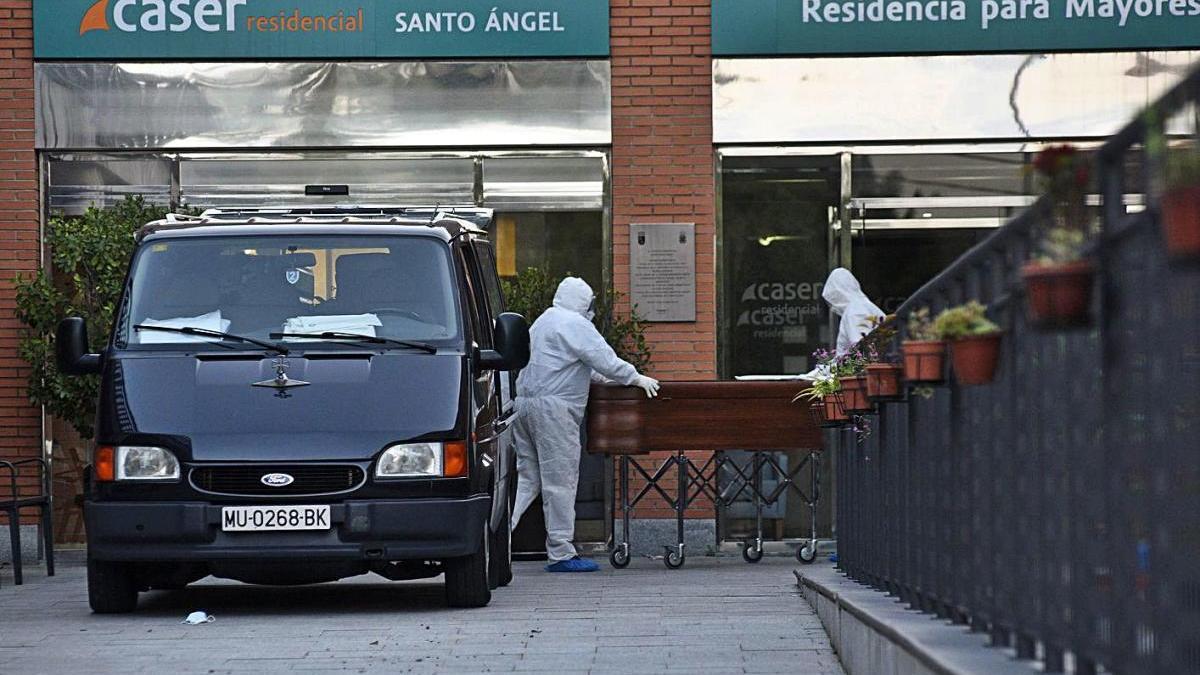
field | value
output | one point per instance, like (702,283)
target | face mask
(197,618)
(591,310)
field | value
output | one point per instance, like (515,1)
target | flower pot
(883,380)
(975,358)
(833,410)
(854,395)
(1059,295)
(1181,221)
(817,411)
(924,360)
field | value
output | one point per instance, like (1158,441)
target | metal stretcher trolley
(705,416)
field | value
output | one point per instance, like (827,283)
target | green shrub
(920,326)
(963,321)
(530,293)
(89,256)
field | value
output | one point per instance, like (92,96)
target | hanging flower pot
(975,358)
(1059,295)
(817,411)
(924,360)
(883,380)
(1181,221)
(854,394)
(834,413)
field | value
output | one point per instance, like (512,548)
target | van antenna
(436,210)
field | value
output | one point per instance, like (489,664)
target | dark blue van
(292,396)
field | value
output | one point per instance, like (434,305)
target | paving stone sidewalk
(716,615)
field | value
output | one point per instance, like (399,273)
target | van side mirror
(510,342)
(71,349)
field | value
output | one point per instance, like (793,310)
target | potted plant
(1058,282)
(883,376)
(824,393)
(1180,205)
(851,370)
(825,405)
(974,342)
(924,351)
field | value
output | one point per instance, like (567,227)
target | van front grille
(247,479)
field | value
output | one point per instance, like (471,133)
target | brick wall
(663,157)
(20,422)
(662,169)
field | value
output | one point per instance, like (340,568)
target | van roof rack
(468,218)
(480,217)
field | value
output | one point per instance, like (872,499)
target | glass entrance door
(774,259)
(910,214)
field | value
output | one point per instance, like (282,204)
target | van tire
(467,577)
(501,573)
(111,587)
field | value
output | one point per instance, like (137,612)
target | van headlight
(410,459)
(136,462)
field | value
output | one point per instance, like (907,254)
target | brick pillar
(662,169)
(20,422)
(663,158)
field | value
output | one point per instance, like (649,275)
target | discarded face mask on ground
(197,618)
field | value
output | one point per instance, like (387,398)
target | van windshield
(399,288)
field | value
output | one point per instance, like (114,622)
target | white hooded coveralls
(552,394)
(846,299)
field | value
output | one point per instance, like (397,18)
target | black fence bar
(1057,508)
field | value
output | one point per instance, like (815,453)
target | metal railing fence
(1058,508)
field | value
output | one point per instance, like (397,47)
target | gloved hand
(648,385)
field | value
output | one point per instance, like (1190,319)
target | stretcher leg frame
(620,554)
(758,503)
(694,481)
(675,556)
(752,549)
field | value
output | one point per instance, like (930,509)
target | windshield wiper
(356,337)
(205,332)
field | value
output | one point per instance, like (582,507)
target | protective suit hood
(856,311)
(575,295)
(566,349)
(842,290)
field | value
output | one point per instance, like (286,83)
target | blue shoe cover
(575,564)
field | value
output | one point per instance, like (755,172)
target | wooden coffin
(700,416)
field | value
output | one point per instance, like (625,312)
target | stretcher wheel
(807,554)
(751,553)
(674,559)
(619,558)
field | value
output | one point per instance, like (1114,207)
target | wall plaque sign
(662,271)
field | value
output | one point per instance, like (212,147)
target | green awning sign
(318,29)
(798,27)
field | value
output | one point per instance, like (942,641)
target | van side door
(495,297)
(485,400)
(485,260)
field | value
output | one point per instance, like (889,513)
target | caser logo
(161,16)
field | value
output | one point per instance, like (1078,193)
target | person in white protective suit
(566,354)
(858,314)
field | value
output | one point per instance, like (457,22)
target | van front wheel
(111,587)
(467,577)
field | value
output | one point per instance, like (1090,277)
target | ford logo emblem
(277,480)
